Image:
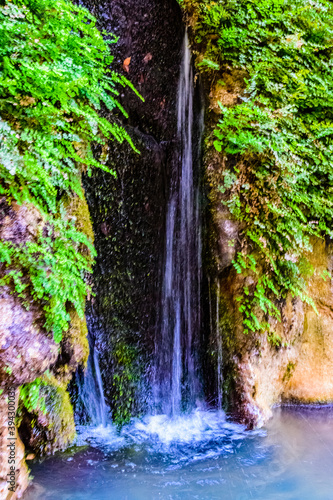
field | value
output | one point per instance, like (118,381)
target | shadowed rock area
(128,212)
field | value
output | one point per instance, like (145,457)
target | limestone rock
(26,351)
(21,480)
(312,379)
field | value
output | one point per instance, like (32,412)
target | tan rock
(15,452)
(312,380)
(26,350)
(301,369)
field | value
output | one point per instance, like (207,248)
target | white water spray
(177,382)
(91,391)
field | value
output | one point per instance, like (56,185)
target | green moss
(61,424)
(125,380)
(46,414)
(77,336)
(289,371)
(77,207)
(274,339)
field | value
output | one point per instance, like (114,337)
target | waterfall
(91,393)
(177,380)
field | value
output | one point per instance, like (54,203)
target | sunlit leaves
(277,141)
(55,79)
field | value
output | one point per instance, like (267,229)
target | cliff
(268,273)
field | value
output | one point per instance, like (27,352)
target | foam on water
(197,456)
(169,435)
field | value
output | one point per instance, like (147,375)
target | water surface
(199,456)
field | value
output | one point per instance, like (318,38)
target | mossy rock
(47,430)
(77,207)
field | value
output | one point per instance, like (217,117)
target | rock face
(27,351)
(128,212)
(13,482)
(258,373)
(21,361)
(312,376)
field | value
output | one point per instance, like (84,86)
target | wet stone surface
(128,212)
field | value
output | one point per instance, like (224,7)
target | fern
(277,141)
(55,78)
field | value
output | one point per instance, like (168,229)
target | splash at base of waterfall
(197,456)
(164,434)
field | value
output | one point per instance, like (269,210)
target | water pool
(199,456)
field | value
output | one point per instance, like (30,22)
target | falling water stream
(182,450)
(90,391)
(176,377)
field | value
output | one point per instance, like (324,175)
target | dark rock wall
(128,212)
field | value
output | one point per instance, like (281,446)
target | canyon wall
(260,371)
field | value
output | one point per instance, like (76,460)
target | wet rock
(311,379)
(128,212)
(258,373)
(299,371)
(45,431)
(26,351)
(20,479)
(18,223)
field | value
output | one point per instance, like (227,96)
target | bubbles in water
(205,433)
(200,455)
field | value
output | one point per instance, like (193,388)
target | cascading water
(177,385)
(90,391)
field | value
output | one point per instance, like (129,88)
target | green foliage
(125,381)
(55,78)
(289,371)
(277,141)
(30,396)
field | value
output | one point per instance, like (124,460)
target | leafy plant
(55,79)
(276,141)
(30,396)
